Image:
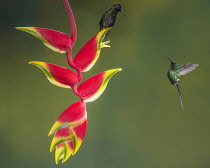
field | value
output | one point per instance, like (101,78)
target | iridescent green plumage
(175,72)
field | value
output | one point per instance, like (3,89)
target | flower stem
(75,90)
(72,64)
(72,21)
(69,59)
(79,74)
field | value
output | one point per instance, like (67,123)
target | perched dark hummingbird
(109,17)
(175,72)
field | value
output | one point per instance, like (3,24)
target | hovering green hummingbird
(109,17)
(175,72)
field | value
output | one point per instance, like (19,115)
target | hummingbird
(108,19)
(175,72)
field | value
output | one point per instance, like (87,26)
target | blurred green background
(138,121)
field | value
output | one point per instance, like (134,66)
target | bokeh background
(138,121)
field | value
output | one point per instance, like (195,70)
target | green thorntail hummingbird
(175,72)
(109,17)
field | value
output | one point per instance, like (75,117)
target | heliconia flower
(89,53)
(57,75)
(92,88)
(55,40)
(69,129)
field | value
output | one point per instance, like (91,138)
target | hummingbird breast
(109,20)
(172,76)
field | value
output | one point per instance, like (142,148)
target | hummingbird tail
(180,95)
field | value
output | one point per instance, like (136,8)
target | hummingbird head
(117,8)
(173,64)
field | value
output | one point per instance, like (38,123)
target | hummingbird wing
(106,18)
(180,95)
(186,69)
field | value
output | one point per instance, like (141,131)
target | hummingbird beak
(170,60)
(122,12)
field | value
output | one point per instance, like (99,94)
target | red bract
(70,127)
(89,53)
(57,75)
(63,151)
(93,87)
(68,141)
(55,40)
(74,115)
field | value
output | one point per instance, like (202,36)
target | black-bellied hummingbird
(109,19)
